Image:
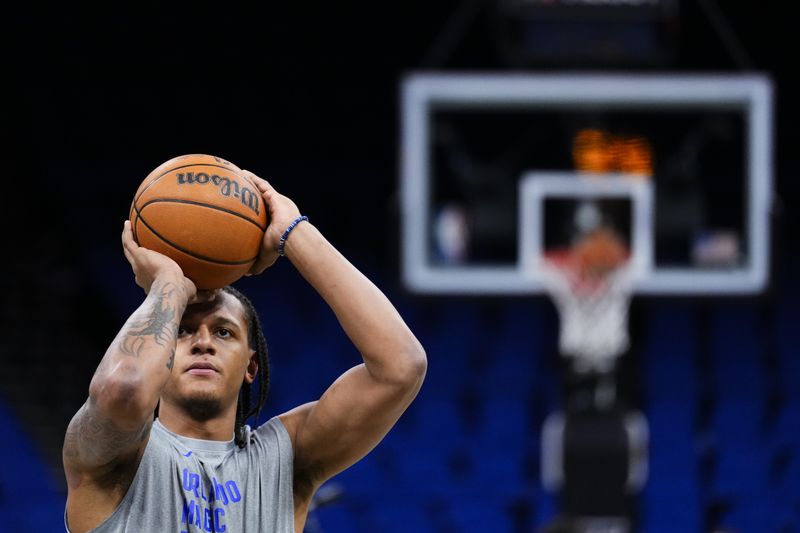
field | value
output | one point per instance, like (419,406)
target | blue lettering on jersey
(219,492)
(203,518)
(206,517)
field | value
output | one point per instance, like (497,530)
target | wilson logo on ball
(227,187)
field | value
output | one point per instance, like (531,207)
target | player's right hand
(149,265)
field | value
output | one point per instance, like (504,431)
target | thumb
(264,261)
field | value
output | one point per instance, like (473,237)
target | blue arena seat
(483,514)
(764,513)
(671,507)
(669,350)
(330,519)
(737,352)
(737,424)
(740,472)
(29,498)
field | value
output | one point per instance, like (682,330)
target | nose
(202,342)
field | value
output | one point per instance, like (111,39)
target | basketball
(203,213)
(601,251)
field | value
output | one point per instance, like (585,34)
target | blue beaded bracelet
(282,242)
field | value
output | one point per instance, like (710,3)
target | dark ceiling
(304,94)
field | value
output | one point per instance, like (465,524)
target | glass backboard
(472,145)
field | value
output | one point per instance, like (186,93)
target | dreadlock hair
(257,342)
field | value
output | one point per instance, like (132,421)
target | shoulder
(294,419)
(272,436)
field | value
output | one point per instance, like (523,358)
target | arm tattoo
(94,440)
(160,325)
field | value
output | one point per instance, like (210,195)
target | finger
(127,237)
(256,269)
(262,184)
(205,296)
(128,255)
(263,262)
(191,290)
(127,241)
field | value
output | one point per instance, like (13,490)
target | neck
(177,420)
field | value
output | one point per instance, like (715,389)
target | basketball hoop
(591,285)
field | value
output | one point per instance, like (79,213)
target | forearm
(138,362)
(389,348)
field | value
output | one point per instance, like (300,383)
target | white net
(593,314)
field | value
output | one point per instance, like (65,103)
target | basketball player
(194,356)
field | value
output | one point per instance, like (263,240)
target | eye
(182,331)
(224,333)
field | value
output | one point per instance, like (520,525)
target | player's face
(212,358)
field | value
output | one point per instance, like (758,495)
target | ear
(252,368)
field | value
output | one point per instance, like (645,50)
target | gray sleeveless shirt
(190,486)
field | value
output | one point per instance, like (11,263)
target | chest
(192,495)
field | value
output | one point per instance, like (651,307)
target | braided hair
(255,337)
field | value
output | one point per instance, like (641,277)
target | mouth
(202,368)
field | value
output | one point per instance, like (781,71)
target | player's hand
(282,213)
(148,265)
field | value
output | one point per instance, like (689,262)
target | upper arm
(348,421)
(95,443)
(100,460)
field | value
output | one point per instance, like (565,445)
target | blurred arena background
(309,96)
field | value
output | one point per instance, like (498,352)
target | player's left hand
(282,211)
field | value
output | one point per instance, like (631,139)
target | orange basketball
(203,213)
(601,250)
